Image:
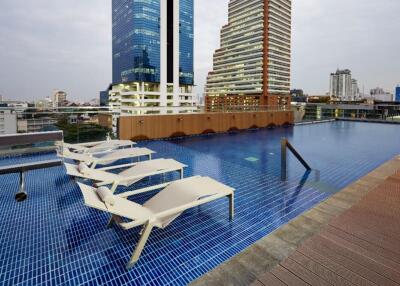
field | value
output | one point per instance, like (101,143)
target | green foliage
(82,132)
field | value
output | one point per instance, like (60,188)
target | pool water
(53,239)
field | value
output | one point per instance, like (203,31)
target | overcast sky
(66,44)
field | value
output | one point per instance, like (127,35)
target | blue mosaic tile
(53,239)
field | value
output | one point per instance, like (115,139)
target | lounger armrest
(130,178)
(148,189)
(144,190)
(99,160)
(102,151)
(123,166)
(197,203)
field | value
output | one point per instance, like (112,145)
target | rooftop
(54,239)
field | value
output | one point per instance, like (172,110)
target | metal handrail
(30,138)
(284,146)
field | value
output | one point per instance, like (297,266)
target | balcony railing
(27,143)
(307,112)
(79,124)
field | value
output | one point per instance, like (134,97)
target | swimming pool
(53,239)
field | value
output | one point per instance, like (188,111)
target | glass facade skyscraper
(152,45)
(136,40)
(186,42)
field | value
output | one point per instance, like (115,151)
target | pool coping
(267,253)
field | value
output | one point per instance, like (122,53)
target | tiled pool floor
(53,239)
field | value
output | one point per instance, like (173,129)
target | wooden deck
(352,238)
(359,247)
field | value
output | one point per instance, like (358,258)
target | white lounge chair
(160,210)
(96,147)
(106,158)
(133,174)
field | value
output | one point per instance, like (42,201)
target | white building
(59,98)
(8,122)
(35,125)
(343,86)
(381,95)
(44,103)
(355,91)
(17,106)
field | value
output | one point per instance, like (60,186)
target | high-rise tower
(343,86)
(152,54)
(252,66)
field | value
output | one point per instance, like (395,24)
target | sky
(66,44)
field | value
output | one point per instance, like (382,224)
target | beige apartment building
(252,65)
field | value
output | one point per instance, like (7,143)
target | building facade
(103,98)
(252,65)
(152,44)
(343,87)
(355,91)
(36,125)
(381,95)
(8,122)
(397,98)
(44,103)
(59,98)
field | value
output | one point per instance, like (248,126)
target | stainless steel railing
(285,145)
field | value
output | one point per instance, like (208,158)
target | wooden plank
(354,266)
(257,283)
(319,269)
(303,273)
(368,240)
(338,269)
(372,265)
(163,126)
(287,277)
(357,249)
(390,214)
(268,279)
(375,212)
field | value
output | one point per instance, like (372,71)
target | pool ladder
(284,146)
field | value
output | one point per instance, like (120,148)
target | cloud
(66,44)
(355,34)
(50,45)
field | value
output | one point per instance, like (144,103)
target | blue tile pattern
(53,239)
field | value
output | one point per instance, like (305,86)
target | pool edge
(265,254)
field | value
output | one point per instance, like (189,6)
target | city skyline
(51,46)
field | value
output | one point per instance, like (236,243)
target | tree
(82,132)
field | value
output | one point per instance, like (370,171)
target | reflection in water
(289,204)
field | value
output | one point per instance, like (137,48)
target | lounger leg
(114,219)
(139,247)
(149,156)
(21,195)
(231,206)
(181,173)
